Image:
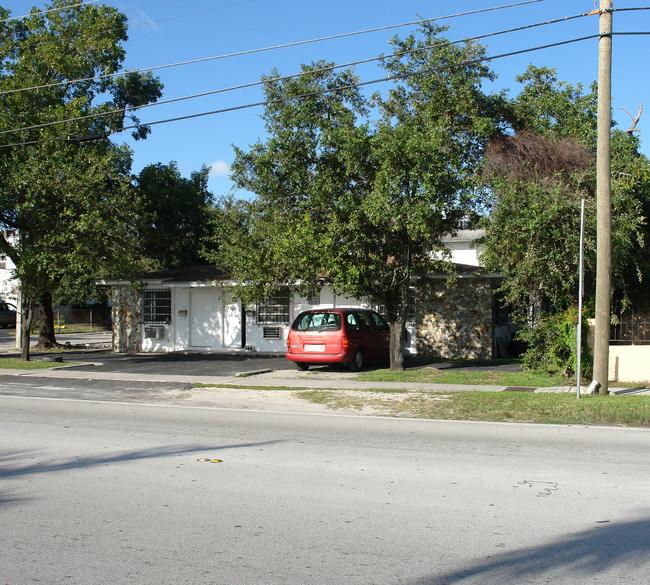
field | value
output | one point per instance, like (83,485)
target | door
(206,318)
(213,323)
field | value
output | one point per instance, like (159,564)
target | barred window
(274,310)
(157,306)
(410,310)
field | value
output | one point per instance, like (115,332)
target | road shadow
(576,558)
(11,466)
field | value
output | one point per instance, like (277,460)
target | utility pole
(603,200)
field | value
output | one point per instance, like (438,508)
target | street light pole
(603,200)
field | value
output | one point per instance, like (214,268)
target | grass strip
(488,378)
(33,364)
(524,407)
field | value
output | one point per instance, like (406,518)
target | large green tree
(174,215)
(363,191)
(63,185)
(538,175)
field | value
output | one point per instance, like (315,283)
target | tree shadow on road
(11,466)
(575,558)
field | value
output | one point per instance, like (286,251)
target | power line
(315,93)
(272,47)
(257,83)
(48,11)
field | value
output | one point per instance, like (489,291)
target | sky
(217,32)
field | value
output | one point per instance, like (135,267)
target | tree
(64,185)
(174,215)
(538,176)
(364,201)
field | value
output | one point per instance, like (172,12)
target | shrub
(552,344)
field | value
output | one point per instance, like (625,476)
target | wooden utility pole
(603,200)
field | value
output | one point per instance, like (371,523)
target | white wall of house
(205,318)
(8,283)
(463,248)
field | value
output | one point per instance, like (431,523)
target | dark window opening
(157,306)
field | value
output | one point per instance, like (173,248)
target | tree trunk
(535,308)
(46,338)
(26,321)
(398,328)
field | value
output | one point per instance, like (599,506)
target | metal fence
(91,319)
(633,328)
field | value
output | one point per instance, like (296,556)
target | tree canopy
(538,174)
(63,185)
(174,215)
(362,190)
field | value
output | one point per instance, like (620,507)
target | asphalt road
(96,493)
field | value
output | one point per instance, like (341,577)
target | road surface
(93,492)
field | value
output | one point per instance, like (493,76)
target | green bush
(552,344)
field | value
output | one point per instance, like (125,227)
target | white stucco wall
(205,318)
(629,363)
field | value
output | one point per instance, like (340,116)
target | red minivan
(338,336)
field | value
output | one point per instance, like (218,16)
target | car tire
(302,366)
(356,365)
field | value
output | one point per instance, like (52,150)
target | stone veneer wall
(455,320)
(127,319)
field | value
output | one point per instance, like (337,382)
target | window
(318,322)
(410,310)
(314,299)
(275,309)
(157,306)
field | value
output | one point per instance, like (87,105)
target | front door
(206,318)
(213,324)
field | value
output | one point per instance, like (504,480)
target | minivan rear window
(318,322)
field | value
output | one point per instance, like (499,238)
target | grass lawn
(487,378)
(527,407)
(33,364)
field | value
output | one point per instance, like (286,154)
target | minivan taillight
(345,342)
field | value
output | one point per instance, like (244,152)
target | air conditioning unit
(154,332)
(272,333)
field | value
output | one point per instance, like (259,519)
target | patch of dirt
(337,401)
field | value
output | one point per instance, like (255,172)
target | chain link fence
(93,319)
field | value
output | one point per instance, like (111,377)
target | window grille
(314,299)
(410,309)
(274,310)
(633,328)
(157,306)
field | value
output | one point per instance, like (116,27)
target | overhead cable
(48,10)
(269,48)
(287,77)
(315,93)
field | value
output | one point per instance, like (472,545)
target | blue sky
(163,32)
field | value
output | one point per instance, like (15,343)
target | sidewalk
(289,379)
(275,378)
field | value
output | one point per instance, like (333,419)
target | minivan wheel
(302,366)
(356,365)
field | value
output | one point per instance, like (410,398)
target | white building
(8,283)
(193,309)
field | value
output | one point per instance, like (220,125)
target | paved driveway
(204,364)
(200,364)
